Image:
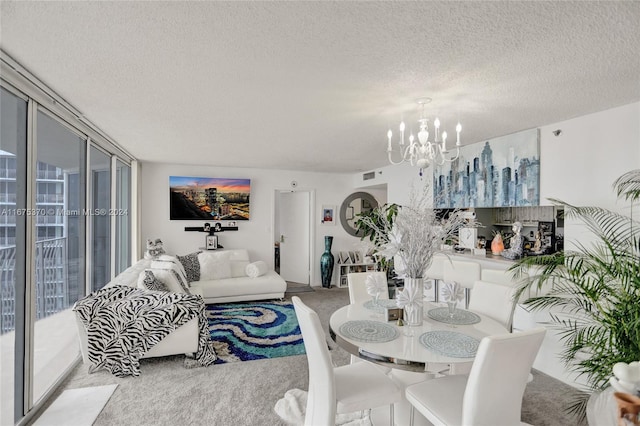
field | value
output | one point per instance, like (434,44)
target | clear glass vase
(414,286)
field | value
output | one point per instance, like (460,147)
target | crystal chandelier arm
(403,155)
(442,156)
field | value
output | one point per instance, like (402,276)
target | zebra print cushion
(123,323)
(150,282)
(191,265)
(170,262)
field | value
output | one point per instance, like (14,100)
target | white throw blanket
(256,269)
(292,409)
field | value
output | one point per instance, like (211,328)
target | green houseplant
(369,222)
(594,293)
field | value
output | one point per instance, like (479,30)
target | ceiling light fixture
(423,152)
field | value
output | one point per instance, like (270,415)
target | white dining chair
(435,272)
(495,301)
(358,289)
(492,392)
(336,390)
(358,294)
(499,276)
(464,273)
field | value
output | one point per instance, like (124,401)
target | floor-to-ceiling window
(56,234)
(101,213)
(122,214)
(13,143)
(59,248)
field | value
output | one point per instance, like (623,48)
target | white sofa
(236,289)
(240,287)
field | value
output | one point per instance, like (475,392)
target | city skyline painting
(501,172)
(201,198)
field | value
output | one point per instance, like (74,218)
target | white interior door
(294,212)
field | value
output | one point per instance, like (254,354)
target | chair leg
(436,289)
(467,297)
(391,415)
(411,415)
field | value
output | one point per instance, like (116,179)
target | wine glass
(451,304)
(376,305)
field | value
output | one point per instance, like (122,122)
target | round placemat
(382,305)
(460,317)
(450,343)
(369,331)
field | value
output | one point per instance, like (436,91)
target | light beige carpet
(245,393)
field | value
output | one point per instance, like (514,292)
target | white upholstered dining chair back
(493,394)
(358,289)
(321,400)
(464,273)
(493,300)
(436,270)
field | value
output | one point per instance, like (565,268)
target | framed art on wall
(328,215)
(211,242)
(500,172)
(201,198)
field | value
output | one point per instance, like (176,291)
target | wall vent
(369,176)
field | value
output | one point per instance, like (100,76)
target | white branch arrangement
(415,234)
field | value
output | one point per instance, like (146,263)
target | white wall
(579,167)
(255,234)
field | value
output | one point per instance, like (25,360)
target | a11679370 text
(63,212)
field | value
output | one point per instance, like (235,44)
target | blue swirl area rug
(249,331)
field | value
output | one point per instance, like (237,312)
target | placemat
(450,343)
(369,331)
(382,305)
(461,316)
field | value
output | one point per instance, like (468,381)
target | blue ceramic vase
(326,262)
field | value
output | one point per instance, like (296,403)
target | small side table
(601,408)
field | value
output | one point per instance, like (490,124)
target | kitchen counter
(487,260)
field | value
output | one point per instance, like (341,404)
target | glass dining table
(414,353)
(362,330)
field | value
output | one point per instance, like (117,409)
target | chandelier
(424,152)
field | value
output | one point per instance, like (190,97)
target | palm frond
(592,291)
(628,185)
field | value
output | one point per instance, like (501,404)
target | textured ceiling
(315,85)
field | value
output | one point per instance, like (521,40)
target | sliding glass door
(122,215)
(65,230)
(13,177)
(100,217)
(59,248)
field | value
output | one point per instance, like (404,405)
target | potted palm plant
(594,296)
(367,225)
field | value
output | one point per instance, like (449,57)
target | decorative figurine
(516,245)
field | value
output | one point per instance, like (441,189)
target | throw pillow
(214,266)
(170,262)
(170,278)
(147,280)
(238,268)
(191,266)
(256,269)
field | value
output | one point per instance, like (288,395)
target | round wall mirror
(352,206)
